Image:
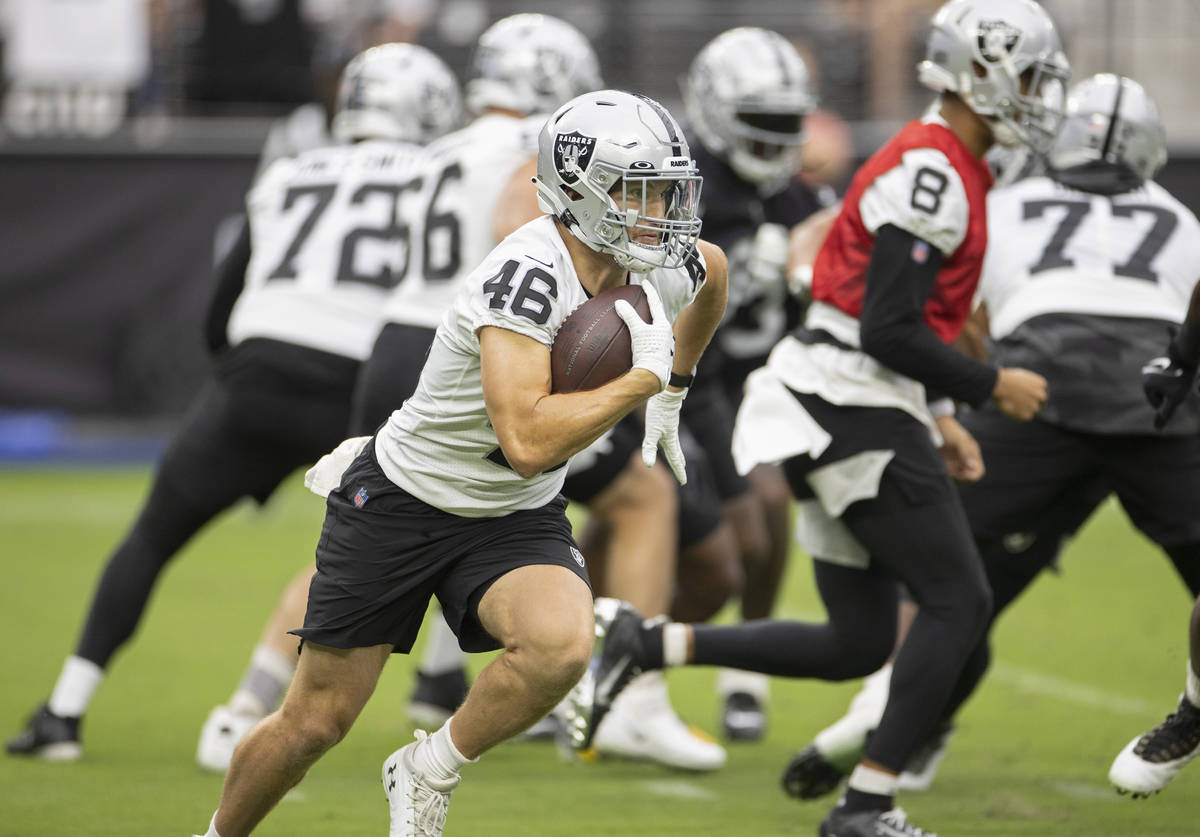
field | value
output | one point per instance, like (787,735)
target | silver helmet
(747,93)
(530,63)
(615,168)
(396,92)
(1112,139)
(1004,59)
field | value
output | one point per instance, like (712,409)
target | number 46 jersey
(440,446)
(924,181)
(328,240)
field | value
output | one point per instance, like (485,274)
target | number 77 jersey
(924,181)
(331,233)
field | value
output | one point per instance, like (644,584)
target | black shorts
(390,375)
(383,553)
(916,468)
(699,503)
(708,415)
(271,407)
(1033,466)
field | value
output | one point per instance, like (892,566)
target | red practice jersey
(927,182)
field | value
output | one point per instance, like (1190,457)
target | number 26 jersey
(928,183)
(440,445)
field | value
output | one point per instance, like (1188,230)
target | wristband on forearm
(682,381)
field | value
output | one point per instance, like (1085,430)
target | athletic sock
(870,789)
(438,756)
(442,653)
(75,687)
(212,827)
(1193,686)
(263,685)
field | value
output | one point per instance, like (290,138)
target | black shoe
(437,697)
(810,775)
(743,717)
(47,736)
(1152,760)
(617,658)
(893,823)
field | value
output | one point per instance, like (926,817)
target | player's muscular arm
(517,205)
(695,326)
(537,430)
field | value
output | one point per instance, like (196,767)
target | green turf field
(1083,663)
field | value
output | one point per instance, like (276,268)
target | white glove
(769,255)
(662,428)
(653,342)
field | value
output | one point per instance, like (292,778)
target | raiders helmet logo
(571,150)
(996,39)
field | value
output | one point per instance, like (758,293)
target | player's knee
(315,729)
(554,656)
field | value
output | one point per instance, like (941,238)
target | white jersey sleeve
(327,243)
(440,445)
(923,195)
(1052,249)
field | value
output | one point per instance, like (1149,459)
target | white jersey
(328,241)
(465,175)
(1054,249)
(440,446)
(1080,288)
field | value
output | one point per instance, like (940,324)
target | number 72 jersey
(332,231)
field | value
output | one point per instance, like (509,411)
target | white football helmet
(530,63)
(615,168)
(1004,59)
(747,93)
(1112,139)
(396,92)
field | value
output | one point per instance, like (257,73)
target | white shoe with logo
(418,802)
(643,725)
(220,735)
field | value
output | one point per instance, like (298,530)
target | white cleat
(1149,762)
(220,735)
(643,725)
(418,803)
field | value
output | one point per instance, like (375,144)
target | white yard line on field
(1047,685)
(678,789)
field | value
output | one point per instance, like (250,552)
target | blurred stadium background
(130,129)
(129,132)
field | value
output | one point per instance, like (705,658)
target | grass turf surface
(1083,663)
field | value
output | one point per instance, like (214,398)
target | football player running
(843,403)
(457,495)
(747,94)
(1090,264)
(477,190)
(296,309)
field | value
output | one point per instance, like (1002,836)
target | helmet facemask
(1029,105)
(649,220)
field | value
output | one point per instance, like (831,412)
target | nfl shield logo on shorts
(360,498)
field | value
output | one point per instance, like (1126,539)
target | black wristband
(683,381)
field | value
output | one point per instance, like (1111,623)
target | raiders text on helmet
(530,63)
(615,168)
(1004,59)
(1112,139)
(747,93)
(396,92)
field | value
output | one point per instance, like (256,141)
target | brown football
(592,346)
